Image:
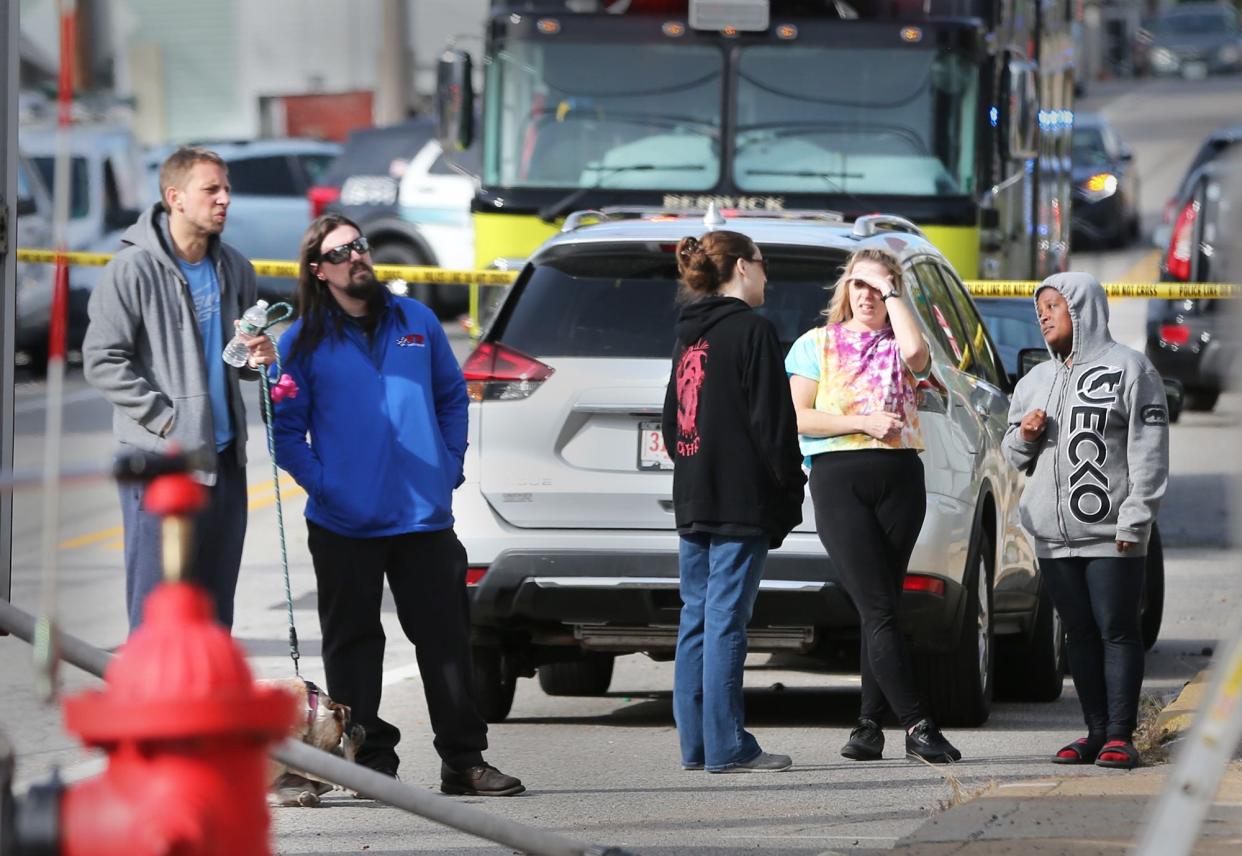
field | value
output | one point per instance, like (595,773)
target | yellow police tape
(444,276)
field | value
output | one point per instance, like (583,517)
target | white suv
(566,512)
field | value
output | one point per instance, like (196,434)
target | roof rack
(873,224)
(711,215)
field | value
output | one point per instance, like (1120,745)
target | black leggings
(869,507)
(1098,600)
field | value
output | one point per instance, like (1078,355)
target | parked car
(1106,184)
(566,511)
(34,281)
(1195,341)
(107,193)
(268,211)
(410,200)
(1015,330)
(1219,143)
(1191,40)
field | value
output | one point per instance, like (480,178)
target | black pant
(427,575)
(1099,600)
(869,507)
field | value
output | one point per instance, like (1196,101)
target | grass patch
(1150,739)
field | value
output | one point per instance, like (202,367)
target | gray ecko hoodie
(1097,473)
(143,349)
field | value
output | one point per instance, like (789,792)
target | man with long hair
(383,403)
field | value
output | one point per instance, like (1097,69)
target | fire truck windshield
(855,120)
(576,114)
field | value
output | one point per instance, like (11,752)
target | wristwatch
(894,293)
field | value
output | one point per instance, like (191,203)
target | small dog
(327,726)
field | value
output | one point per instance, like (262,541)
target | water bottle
(253,321)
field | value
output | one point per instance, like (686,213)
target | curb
(1176,718)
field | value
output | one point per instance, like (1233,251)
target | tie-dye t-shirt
(858,373)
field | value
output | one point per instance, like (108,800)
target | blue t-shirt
(205,291)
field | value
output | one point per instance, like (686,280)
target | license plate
(651,452)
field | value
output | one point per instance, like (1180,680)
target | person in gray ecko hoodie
(1090,428)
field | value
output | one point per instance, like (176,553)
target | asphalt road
(605,769)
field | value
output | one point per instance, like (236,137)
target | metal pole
(9,65)
(527,839)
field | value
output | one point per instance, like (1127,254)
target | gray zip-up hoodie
(143,349)
(1097,474)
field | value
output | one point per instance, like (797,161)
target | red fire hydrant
(185,728)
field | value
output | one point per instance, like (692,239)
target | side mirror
(26,206)
(455,100)
(1021,104)
(1175,396)
(1029,358)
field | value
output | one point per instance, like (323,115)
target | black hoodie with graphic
(729,425)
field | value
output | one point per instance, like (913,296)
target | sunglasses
(763,263)
(360,245)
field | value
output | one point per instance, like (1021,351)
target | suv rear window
(620,300)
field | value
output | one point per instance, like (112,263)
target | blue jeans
(219,530)
(1098,600)
(719,581)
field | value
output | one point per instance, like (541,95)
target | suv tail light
(321,197)
(496,372)
(1177,262)
(1174,334)
(474,574)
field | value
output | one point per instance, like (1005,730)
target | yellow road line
(1146,269)
(259,496)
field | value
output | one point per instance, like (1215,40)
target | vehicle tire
(401,253)
(588,675)
(1037,671)
(1151,611)
(1201,400)
(957,684)
(494,683)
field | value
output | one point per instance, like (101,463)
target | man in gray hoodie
(159,319)
(1090,428)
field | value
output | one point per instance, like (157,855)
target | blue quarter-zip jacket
(375,435)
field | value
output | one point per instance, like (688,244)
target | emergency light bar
(730,15)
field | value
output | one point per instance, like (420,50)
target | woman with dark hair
(853,382)
(1090,428)
(737,489)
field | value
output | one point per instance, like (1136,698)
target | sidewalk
(1093,812)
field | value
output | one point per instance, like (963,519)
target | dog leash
(285,311)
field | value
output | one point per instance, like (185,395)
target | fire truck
(955,114)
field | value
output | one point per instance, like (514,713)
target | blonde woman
(853,383)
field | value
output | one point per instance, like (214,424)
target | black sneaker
(866,742)
(483,780)
(925,741)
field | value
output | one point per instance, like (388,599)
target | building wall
(216,69)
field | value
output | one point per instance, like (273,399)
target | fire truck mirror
(455,100)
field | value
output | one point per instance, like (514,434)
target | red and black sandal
(1119,755)
(1082,751)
